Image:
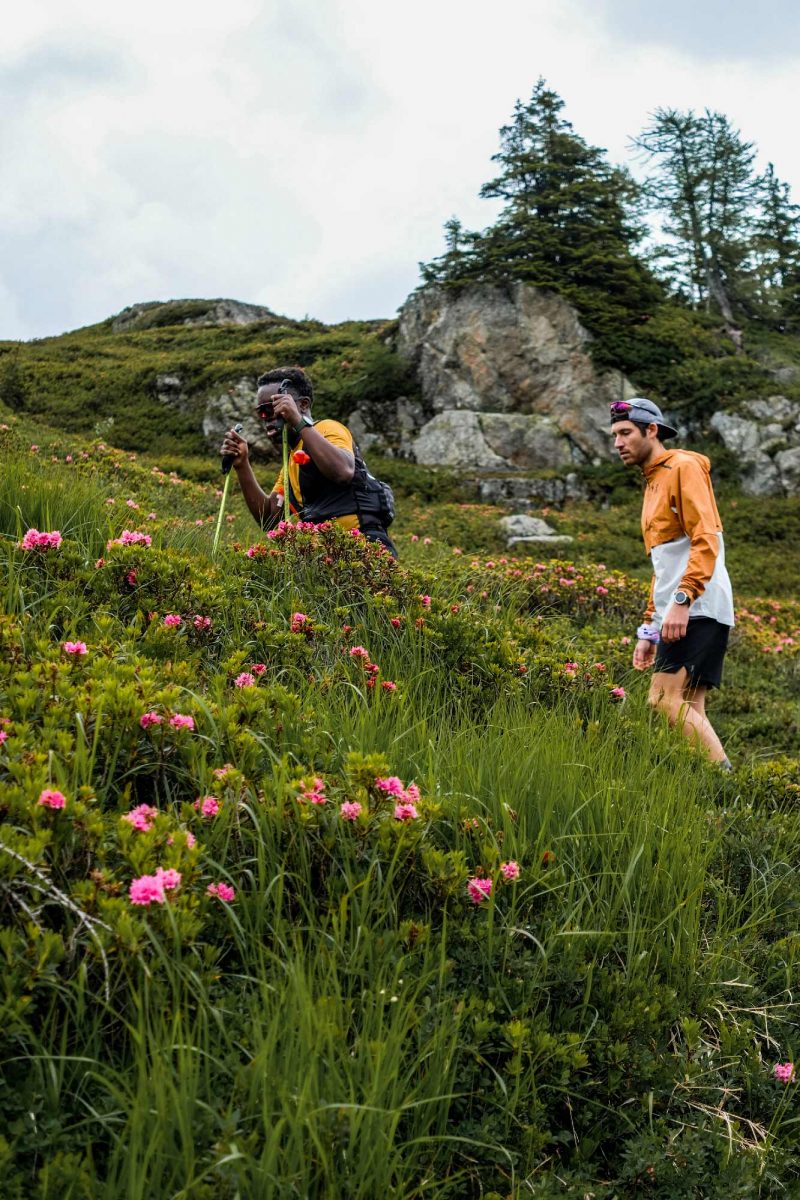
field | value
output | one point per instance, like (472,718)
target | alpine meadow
(327,875)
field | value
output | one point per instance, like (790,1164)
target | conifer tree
(776,253)
(570,222)
(704,187)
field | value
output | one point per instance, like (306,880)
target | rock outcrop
(522,529)
(151,314)
(765,437)
(506,378)
(223,409)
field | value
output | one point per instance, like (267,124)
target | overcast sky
(304,154)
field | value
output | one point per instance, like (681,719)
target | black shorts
(701,651)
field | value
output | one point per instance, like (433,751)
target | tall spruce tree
(570,222)
(704,188)
(776,253)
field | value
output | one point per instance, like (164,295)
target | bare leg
(685,707)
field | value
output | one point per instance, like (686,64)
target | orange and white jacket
(682,534)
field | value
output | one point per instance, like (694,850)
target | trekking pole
(285,474)
(227,463)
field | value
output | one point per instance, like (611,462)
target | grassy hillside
(100,377)
(439,913)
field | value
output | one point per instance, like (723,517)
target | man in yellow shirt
(328,479)
(689,613)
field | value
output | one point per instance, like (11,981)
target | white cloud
(305,155)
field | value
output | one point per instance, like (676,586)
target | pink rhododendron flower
(358,652)
(131,578)
(172,620)
(222,772)
(180,721)
(208,806)
(350,810)
(412,793)
(150,718)
(142,817)
(392,786)
(509,870)
(76,648)
(258,668)
(405,812)
(169,878)
(389,685)
(131,504)
(52,799)
(223,891)
(315,796)
(3,736)
(244,680)
(68,458)
(147,889)
(131,537)
(299,621)
(601,591)
(151,517)
(426,600)
(34,448)
(783,1072)
(34,540)
(396,622)
(479,889)
(618,693)
(202,623)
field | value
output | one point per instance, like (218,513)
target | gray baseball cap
(645,411)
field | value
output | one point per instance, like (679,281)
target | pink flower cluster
(479,889)
(371,669)
(783,1072)
(142,817)
(405,811)
(78,649)
(207,806)
(350,810)
(150,718)
(509,870)
(49,798)
(131,537)
(618,693)
(202,624)
(407,797)
(34,540)
(181,721)
(300,623)
(172,620)
(316,794)
(244,680)
(223,891)
(152,889)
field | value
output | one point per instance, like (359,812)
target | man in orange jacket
(689,614)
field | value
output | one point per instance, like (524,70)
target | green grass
(351,1025)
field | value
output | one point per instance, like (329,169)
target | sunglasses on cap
(620,408)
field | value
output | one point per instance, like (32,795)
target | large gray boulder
(231,405)
(519,357)
(765,438)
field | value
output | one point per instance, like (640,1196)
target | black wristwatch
(305,421)
(682,598)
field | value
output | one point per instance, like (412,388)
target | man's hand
(284,406)
(644,654)
(675,623)
(234,447)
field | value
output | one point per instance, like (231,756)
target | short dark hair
(298,381)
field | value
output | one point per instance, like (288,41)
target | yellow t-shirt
(338,435)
